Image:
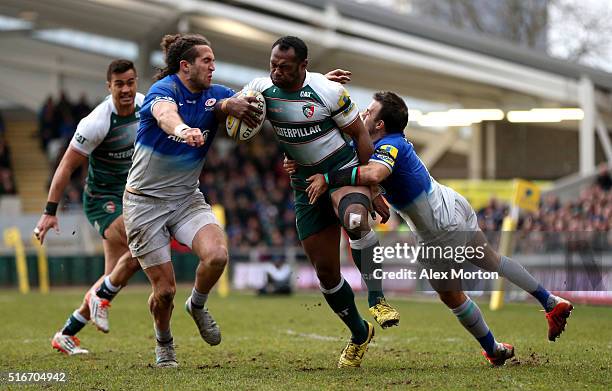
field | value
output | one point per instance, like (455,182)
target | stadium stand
(558,224)
(7,181)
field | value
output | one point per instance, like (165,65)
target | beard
(198,81)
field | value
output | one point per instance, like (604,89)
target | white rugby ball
(237,129)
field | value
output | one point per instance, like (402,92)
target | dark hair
(119,66)
(176,48)
(287,42)
(393,111)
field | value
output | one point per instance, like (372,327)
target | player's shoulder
(164,85)
(220,91)
(259,84)
(394,142)
(139,99)
(321,84)
(100,115)
(333,94)
(96,124)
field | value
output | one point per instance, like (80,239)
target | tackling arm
(370,174)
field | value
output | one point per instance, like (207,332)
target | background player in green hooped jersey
(105,138)
(314,119)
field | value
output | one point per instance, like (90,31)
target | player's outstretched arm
(169,120)
(368,175)
(69,163)
(339,76)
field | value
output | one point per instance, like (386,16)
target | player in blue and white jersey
(440,216)
(178,123)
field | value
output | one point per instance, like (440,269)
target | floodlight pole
(586,98)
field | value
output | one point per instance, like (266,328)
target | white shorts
(150,222)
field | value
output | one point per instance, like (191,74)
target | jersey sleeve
(385,154)
(159,92)
(224,92)
(343,110)
(139,100)
(260,84)
(92,129)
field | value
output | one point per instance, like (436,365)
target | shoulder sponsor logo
(386,153)
(390,149)
(344,98)
(308,110)
(348,111)
(79,138)
(305,94)
(164,98)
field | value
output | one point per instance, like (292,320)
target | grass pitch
(295,342)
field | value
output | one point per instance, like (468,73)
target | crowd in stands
(587,219)
(7,181)
(249,181)
(57,122)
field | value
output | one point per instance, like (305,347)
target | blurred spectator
(2,125)
(7,183)
(249,181)
(278,278)
(604,181)
(81,109)
(586,221)
(46,123)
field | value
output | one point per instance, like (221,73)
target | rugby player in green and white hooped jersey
(314,120)
(105,138)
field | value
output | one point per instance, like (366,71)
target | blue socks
(471,318)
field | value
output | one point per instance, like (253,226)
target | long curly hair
(176,48)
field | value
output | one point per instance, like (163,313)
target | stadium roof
(479,43)
(384,50)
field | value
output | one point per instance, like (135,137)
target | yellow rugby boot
(352,354)
(384,314)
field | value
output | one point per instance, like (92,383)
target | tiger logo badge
(308,110)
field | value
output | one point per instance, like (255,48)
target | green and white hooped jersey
(308,123)
(108,140)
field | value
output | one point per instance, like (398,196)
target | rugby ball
(237,129)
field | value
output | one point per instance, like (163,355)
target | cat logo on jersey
(79,138)
(386,153)
(308,110)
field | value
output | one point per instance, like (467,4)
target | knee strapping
(354,222)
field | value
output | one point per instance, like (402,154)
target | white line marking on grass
(312,336)
(452,339)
